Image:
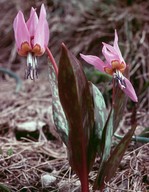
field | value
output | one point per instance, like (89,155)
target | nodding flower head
(114,65)
(31,37)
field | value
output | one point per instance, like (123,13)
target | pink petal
(42,32)
(20,30)
(129,91)
(46,33)
(106,50)
(110,48)
(116,47)
(32,22)
(95,61)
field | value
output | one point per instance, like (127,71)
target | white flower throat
(31,66)
(121,79)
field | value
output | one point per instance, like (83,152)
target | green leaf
(109,167)
(135,138)
(100,116)
(100,111)
(96,76)
(4,188)
(10,152)
(78,106)
(107,137)
(105,144)
(59,117)
(1,151)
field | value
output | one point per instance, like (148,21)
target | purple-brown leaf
(78,106)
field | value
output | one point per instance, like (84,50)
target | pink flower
(114,65)
(31,37)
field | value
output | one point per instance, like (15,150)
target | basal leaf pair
(90,129)
(79,100)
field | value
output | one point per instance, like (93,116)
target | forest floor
(36,159)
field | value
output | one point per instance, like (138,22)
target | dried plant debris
(26,161)
(132,174)
(43,166)
(23,164)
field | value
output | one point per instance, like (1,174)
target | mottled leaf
(107,137)
(110,166)
(59,117)
(100,116)
(99,111)
(78,106)
(99,121)
(105,144)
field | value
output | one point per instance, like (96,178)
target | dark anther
(122,81)
(28,71)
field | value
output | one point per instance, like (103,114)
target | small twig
(134,138)
(13,75)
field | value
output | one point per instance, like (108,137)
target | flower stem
(84,184)
(113,93)
(52,60)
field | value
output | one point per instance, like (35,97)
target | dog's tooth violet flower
(31,37)
(114,65)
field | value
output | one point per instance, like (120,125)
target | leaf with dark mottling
(59,117)
(100,116)
(100,111)
(107,137)
(105,144)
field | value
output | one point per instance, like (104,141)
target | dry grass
(23,162)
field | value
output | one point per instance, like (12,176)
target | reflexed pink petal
(42,32)
(32,22)
(116,47)
(95,61)
(109,55)
(129,91)
(21,31)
